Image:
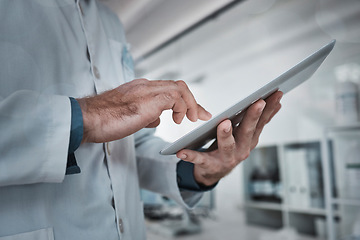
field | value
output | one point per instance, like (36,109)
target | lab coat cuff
(76,135)
(186,179)
(57,142)
(77,126)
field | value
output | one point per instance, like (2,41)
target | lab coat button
(121,225)
(96,72)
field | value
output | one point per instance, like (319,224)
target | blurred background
(303,179)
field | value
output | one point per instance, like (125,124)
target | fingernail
(262,107)
(228,128)
(194,118)
(206,116)
(183,156)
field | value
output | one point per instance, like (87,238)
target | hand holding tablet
(284,83)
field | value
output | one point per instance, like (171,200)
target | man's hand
(132,106)
(233,145)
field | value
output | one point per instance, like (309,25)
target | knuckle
(262,124)
(244,154)
(171,95)
(255,143)
(267,121)
(262,121)
(199,160)
(248,132)
(181,83)
(234,163)
(229,147)
(167,96)
(171,83)
(175,94)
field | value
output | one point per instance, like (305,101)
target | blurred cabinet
(312,187)
(342,167)
(284,187)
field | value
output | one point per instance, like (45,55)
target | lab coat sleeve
(35,131)
(157,173)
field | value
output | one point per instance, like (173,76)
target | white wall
(252,44)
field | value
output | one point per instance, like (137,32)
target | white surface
(230,225)
(149,23)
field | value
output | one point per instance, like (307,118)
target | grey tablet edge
(285,82)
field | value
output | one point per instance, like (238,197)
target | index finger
(194,110)
(182,100)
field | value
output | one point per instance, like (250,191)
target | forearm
(100,114)
(132,106)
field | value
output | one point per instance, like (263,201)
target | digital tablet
(285,82)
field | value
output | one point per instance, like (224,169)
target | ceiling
(228,58)
(150,23)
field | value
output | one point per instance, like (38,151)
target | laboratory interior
(302,181)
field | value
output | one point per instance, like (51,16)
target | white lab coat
(43,61)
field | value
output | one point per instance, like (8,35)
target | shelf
(343,128)
(349,202)
(280,207)
(353,165)
(342,131)
(296,210)
(265,205)
(311,211)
